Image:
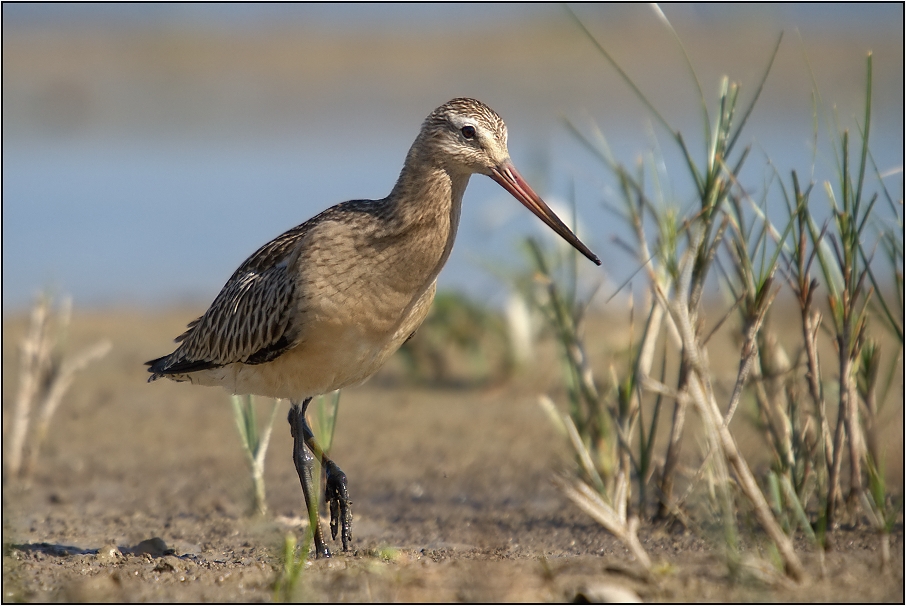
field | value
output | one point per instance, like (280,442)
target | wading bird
(323,306)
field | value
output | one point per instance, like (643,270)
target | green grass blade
(602,154)
(251,421)
(632,85)
(698,85)
(629,81)
(864,161)
(758,90)
(333,416)
(896,327)
(239,417)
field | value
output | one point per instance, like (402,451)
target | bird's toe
(337,494)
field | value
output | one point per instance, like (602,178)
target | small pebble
(109,554)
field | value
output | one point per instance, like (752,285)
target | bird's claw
(337,496)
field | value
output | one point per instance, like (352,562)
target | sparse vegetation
(254,443)
(729,237)
(45,375)
(295,558)
(460,341)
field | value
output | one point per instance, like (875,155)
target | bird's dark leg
(336,492)
(304,461)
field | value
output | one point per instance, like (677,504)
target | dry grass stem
(614,520)
(44,378)
(61,383)
(34,355)
(701,393)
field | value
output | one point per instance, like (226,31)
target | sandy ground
(141,493)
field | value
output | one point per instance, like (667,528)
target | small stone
(109,554)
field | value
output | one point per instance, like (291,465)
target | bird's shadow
(54,549)
(149,547)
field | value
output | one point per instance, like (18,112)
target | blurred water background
(148,149)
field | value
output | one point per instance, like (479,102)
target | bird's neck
(426,190)
(425,207)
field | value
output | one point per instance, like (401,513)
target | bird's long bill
(510,179)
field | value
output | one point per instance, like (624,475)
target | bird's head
(467,136)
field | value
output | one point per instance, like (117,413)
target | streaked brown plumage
(323,305)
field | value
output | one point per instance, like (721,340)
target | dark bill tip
(510,179)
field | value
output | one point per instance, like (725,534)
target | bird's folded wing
(250,321)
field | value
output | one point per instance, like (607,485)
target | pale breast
(333,356)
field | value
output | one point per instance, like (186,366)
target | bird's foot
(337,496)
(321,551)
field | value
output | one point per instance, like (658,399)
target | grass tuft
(728,237)
(254,444)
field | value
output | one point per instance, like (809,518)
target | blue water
(115,223)
(131,217)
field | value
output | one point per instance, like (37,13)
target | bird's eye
(468,132)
